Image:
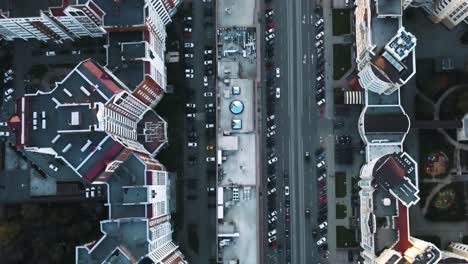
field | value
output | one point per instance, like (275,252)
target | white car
(278,92)
(271,178)
(7,79)
(273,160)
(191,115)
(205,81)
(208,52)
(274,213)
(272,191)
(319,43)
(270,118)
(273,219)
(187,18)
(3,123)
(319,22)
(208,94)
(208,62)
(210,159)
(270,37)
(50,53)
(8,98)
(188,70)
(273,127)
(319,35)
(320,164)
(272,233)
(9,72)
(209,125)
(192,144)
(321,241)
(321,102)
(286,190)
(9,91)
(277,72)
(53,167)
(323,225)
(269,13)
(271,30)
(188,55)
(187,29)
(320,77)
(209,105)
(271,133)
(322,177)
(189,75)
(188,45)
(4,133)
(191,105)
(76,52)
(272,239)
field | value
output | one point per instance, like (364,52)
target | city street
(297,118)
(199,175)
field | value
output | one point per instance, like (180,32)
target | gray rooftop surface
(121,13)
(389,7)
(383,30)
(131,73)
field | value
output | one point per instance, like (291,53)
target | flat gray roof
(121,13)
(389,7)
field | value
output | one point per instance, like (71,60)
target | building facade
(448,12)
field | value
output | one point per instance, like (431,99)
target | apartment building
(66,22)
(385,54)
(99,121)
(448,12)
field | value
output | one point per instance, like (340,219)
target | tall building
(99,121)
(385,55)
(66,22)
(448,12)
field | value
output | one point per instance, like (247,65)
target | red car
(323,198)
(269,25)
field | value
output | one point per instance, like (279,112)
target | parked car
(278,92)
(9,91)
(272,239)
(189,75)
(190,105)
(50,53)
(319,22)
(208,94)
(205,81)
(189,45)
(208,62)
(209,125)
(274,213)
(286,190)
(4,133)
(207,52)
(271,133)
(277,71)
(320,164)
(192,144)
(322,177)
(272,160)
(271,178)
(321,241)
(270,37)
(53,167)
(8,98)
(188,30)
(270,118)
(323,225)
(272,219)
(188,55)
(319,35)
(272,233)
(209,105)
(269,13)
(271,191)
(321,102)
(188,70)
(210,159)
(319,43)
(191,115)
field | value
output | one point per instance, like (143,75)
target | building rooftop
(389,7)
(121,13)
(386,123)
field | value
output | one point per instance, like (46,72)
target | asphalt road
(297,116)
(199,204)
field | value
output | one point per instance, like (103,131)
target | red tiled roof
(101,164)
(102,76)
